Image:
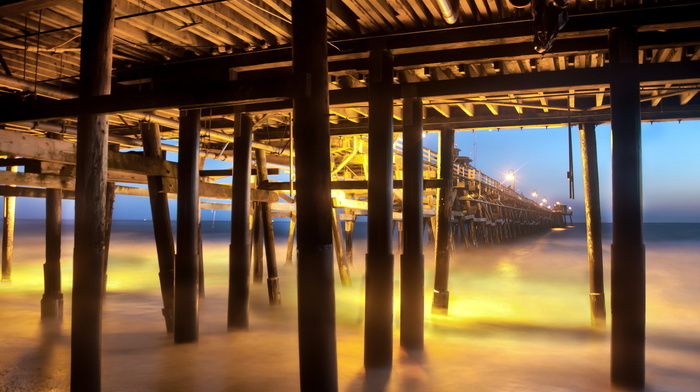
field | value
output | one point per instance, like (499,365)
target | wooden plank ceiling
(475,69)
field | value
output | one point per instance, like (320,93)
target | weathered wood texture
(273,284)
(412,260)
(239,253)
(52,300)
(162,227)
(8,232)
(90,194)
(379,285)
(186,305)
(628,290)
(589,164)
(316,293)
(441,295)
(123,167)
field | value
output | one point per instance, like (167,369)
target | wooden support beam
(239,254)
(318,363)
(8,233)
(18,7)
(412,259)
(200,252)
(353,185)
(467,108)
(162,227)
(67,183)
(628,300)
(290,239)
(52,300)
(340,255)
(90,197)
(257,240)
(273,285)
(379,292)
(64,152)
(441,296)
(589,167)
(349,231)
(275,97)
(186,314)
(110,196)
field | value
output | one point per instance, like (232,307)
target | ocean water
(518,320)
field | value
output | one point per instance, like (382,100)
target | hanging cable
(570,173)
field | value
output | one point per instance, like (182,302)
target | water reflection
(518,321)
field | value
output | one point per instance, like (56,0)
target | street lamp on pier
(510,176)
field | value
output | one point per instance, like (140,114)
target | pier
(336,95)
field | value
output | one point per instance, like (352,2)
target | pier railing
(463,171)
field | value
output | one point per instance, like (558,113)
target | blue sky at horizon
(539,157)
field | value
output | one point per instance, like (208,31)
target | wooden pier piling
(90,199)
(52,300)
(239,254)
(379,272)
(318,363)
(412,260)
(589,164)
(110,198)
(628,299)
(441,296)
(340,254)
(8,233)
(349,232)
(186,305)
(258,242)
(162,226)
(273,284)
(290,239)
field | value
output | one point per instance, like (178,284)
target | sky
(539,158)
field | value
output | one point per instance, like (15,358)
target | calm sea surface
(518,320)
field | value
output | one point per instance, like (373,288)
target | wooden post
(589,164)
(239,254)
(379,292)
(90,199)
(200,247)
(258,242)
(273,284)
(52,300)
(340,255)
(349,231)
(162,227)
(110,196)
(290,238)
(318,363)
(8,233)
(412,260)
(441,296)
(186,313)
(628,298)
